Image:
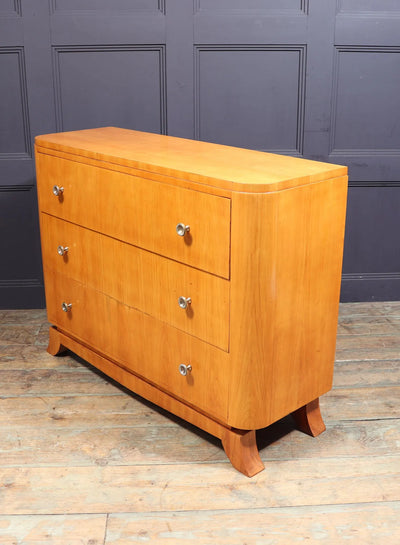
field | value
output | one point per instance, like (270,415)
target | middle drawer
(140,279)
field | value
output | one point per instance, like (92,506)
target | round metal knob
(66,306)
(184,302)
(182,229)
(184,369)
(62,250)
(57,190)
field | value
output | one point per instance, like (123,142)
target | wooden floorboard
(367,524)
(82,461)
(53,529)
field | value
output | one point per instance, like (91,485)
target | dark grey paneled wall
(365,134)
(299,77)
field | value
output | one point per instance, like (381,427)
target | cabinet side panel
(287,252)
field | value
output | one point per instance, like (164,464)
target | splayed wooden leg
(55,347)
(308,418)
(241,448)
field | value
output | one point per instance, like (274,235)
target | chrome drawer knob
(57,190)
(66,306)
(62,250)
(182,229)
(184,369)
(184,302)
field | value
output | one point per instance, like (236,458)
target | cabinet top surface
(216,165)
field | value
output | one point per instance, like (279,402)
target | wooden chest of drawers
(204,278)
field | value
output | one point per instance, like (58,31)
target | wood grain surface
(122,206)
(284,301)
(120,337)
(201,162)
(132,275)
(268,263)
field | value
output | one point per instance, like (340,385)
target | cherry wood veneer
(261,264)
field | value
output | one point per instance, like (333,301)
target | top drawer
(139,211)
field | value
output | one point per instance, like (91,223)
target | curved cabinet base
(308,419)
(241,448)
(55,347)
(240,445)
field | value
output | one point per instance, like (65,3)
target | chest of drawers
(204,278)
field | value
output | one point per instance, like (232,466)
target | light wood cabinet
(203,277)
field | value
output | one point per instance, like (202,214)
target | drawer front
(139,211)
(140,343)
(140,279)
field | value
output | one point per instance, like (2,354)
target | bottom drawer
(142,344)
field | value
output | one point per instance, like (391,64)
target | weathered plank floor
(84,462)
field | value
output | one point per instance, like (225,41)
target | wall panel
(107,5)
(113,85)
(20,274)
(366,114)
(372,261)
(14,129)
(368,7)
(10,8)
(249,5)
(237,96)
